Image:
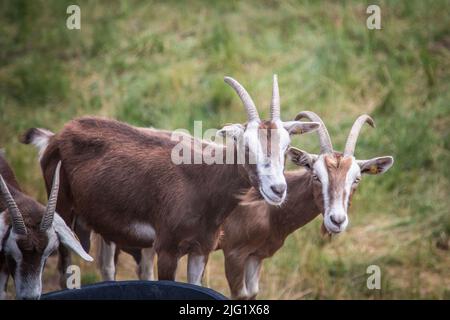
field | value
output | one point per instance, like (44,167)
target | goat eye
(315,178)
(357,180)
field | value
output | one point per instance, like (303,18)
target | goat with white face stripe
(336,175)
(264,143)
(29,233)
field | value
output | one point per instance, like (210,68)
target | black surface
(136,290)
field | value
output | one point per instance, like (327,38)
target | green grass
(162,64)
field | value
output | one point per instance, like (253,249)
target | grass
(162,64)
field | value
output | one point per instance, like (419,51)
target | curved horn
(275,105)
(16,217)
(47,219)
(354,133)
(324,137)
(252,113)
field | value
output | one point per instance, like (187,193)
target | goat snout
(278,189)
(337,219)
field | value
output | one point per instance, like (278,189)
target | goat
(29,233)
(255,230)
(122,183)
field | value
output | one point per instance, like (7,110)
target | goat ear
(3,228)
(68,239)
(301,158)
(232,130)
(376,165)
(300,127)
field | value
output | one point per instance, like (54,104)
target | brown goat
(29,233)
(122,183)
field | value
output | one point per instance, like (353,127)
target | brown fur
(337,167)
(31,210)
(267,128)
(256,229)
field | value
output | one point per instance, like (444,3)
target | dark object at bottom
(136,290)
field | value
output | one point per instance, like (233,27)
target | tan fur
(337,166)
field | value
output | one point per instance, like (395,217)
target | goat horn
(275,105)
(252,113)
(354,133)
(16,217)
(47,219)
(324,137)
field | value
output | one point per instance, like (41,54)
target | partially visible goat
(29,233)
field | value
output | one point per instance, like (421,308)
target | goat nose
(337,220)
(278,189)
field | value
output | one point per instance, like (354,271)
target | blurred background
(162,64)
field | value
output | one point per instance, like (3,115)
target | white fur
(252,272)
(243,293)
(107,266)
(353,173)
(3,275)
(144,231)
(11,248)
(321,171)
(3,227)
(270,170)
(40,141)
(146,265)
(196,266)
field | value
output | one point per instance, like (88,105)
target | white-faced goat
(255,230)
(29,233)
(122,183)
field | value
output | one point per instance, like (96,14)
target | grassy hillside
(162,64)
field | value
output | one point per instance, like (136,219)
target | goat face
(26,254)
(335,177)
(264,144)
(25,257)
(29,233)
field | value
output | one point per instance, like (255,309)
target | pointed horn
(354,133)
(324,137)
(16,217)
(275,105)
(47,219)
(252,113)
